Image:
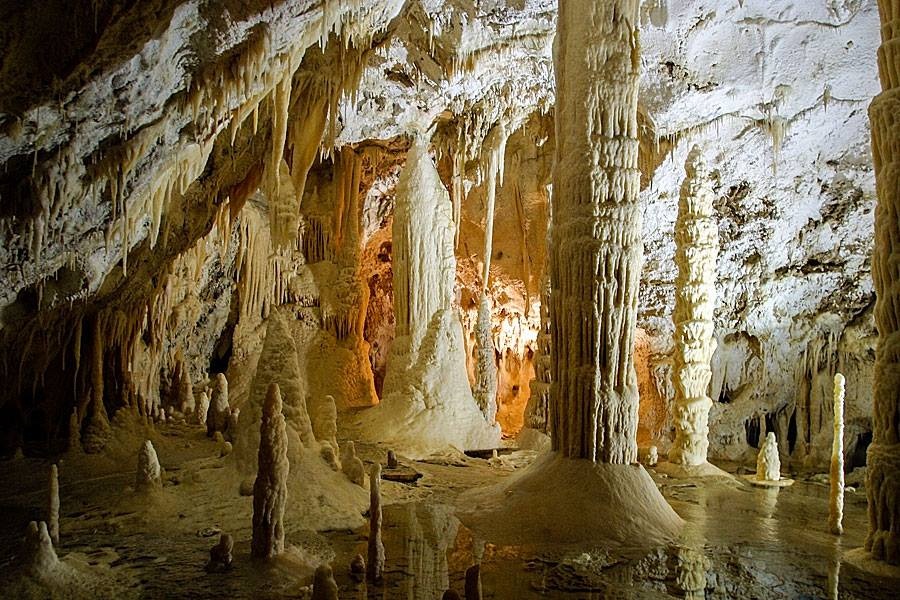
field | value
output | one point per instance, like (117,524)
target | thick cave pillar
(883,478)
(596,250)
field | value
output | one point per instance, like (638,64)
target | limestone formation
(352,466)
(74,432)
(375,564)
(537,411)
(697,244)
(184,401)
(40,557)
(217,416)
(98,430)
(484,390)
(270,488)
(768,463)
(883,459)
(149,474)
(651,456)
(473,583)
(202,409)
(324,422)
(53,505)
(596,251)
(220,555)
(836,479)
(358,568)
(324,586)
(392,462)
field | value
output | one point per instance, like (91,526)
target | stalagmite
(39,553)
(484,389)
(74,432)
(697,242)
(220,555)
(324,422)
(836,504)
(883,459)
(473,583)
(53,505)
(352,466)
(218,413)
(768,464)
(270,489)
(149,474)
(392,462)
(185,400)
(97,432)
(358,568)
(324,586)
(202,409)
(375,564)
(596,251)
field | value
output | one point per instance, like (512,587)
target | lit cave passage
(434,299)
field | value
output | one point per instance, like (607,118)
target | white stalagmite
(836,505)
(202,409)
(375,565)
(39,553)
(883,457)
(185,401)
(219,411)
(485,388)
(324,422)
(149,474)
(352,466)
(696,247)
(596,250)
(768,464)
(53,505)
(427,403)
(270,488)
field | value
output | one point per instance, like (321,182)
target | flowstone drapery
(883,461)
(696,247)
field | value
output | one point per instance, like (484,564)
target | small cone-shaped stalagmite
(53,505)
(202,409)
(220,555)
(696,247)
(883,457)
(375,565)
(768,464)
(148,471)
(270,488)
(39,553)
(836,506)
(218,414)
(352,465)
(324,586)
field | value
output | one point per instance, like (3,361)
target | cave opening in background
(857,458)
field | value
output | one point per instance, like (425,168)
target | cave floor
(742,541)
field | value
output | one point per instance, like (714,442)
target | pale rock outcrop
(768,463)
(53,505)
(149,474)
(352,465)
(836,475)
(696,247)
(270,488)
(883,465)
(40,557)
(427,403)
(217,416)
(324,586)
(375,564)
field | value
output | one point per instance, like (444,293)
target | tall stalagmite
(836,479)
(376,546)
(53,505)
(484,390)
(270,488)
(596,251)
(696,247)
(883,460)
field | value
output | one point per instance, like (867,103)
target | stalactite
(270,487)
(836,475)
(883,461)
(596,253)
(697,243)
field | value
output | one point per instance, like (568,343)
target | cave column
(596,251)
(696,247)
(883,461)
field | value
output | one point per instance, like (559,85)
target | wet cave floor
(739,541)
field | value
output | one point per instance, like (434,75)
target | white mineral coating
(883,458)
(696,247)
(219,410)
(375,564)
(352,466)
(324,585)
(39,554)
(202,409)
(270,488)
(768,463)
(427,403)
(484,390)
(149,474)
(277,364)
(836,479)
(595,254)
(53,505)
